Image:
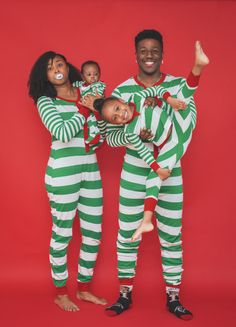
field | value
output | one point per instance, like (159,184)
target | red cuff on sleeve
(154,166)
(193,80)
(150,204)
(166,95)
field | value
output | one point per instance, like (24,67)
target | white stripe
(85,271)
(171,254)
(89,226)
(94,211)
(64,198)
(166,244)
(90,193)
(175,180)
(129,177)
(127,226)
(63,215)
(169,229)
(57,246)
(130,210)
(131,194)
(58,261)
(172,269)
(65,232)
(72,161)
(73,143)
(88,256)
(171,197)
(90,241)
(174,214)
(60,276)
(72,179)
(127,256)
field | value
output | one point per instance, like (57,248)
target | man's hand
(88,101)
(163,173)
(146,134)
(150,102)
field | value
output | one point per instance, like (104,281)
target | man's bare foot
(64,302)
(201,58)
(144,227)
(87,296)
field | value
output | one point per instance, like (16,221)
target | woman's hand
(88,100)
(163,173)
(145,134)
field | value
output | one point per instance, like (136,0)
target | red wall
(104,31)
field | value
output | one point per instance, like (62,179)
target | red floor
(34,307)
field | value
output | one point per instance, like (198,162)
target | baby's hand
(176,104)
(150,102)
(163,173)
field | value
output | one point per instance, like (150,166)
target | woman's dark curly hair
(38,83)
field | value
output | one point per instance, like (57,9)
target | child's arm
(98,88)
(62,130)
(181,99)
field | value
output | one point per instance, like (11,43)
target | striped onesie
(73,183)
(133,192)
(92,122)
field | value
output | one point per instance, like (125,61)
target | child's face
(91,74)
(117,112)
(57,71)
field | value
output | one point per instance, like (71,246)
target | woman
(72,179)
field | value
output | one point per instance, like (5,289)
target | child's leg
(153,184)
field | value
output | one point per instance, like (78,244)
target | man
(149,54)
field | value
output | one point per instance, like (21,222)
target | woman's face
(57,71)
(117,112)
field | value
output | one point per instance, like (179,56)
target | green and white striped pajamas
(159,123)
(93,89)
(73,183)
(133,192)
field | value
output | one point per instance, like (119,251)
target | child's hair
(99,103)
(90,62)
(38,83)
(148,34)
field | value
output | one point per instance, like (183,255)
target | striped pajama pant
(74,184)
(168,213)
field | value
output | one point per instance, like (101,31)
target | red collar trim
(144,86)
(74,101)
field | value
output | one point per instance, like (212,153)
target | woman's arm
(64,131)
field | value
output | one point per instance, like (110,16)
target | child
(91,84)
(172,135)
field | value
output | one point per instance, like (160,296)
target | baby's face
(91,74)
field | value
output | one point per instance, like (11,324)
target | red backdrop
(104,31)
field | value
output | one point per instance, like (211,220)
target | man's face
(149,56)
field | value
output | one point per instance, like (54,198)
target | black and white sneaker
(175,307)
(123,303)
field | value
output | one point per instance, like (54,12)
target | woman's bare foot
(64,302)
(87,296)
(144,227)
(201,59)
